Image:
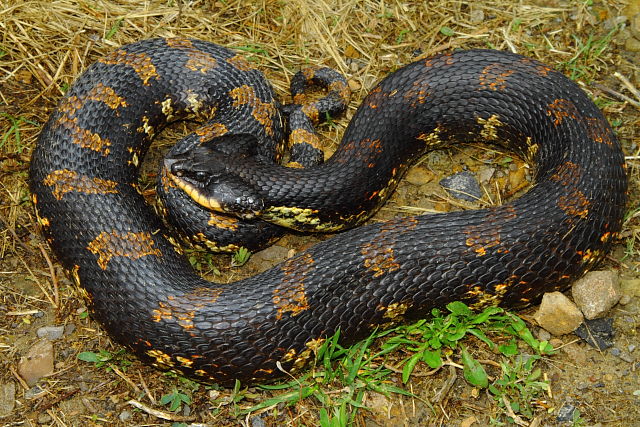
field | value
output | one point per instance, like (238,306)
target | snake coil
(84,175)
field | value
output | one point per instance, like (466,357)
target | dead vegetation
(45,44)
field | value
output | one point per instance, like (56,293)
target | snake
(84,182)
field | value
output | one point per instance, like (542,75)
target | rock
(557,314)
(596,292)
(257,422)
(485,174)
(7,398)
(37,363)
(544,335)
(597,333)
(419,176)
(124,415)
(566,412)
(51,333)
(463,186)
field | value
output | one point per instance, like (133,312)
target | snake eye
(201,176)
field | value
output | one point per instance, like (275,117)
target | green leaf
(447,31)
(407,369)
(473,372)
(89,356)
(510,349)
(432,358)
(459,308)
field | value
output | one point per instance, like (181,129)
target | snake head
(204,175)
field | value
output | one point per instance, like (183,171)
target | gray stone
(596,292)
(597,332)
(566,412)
(50,332)
(7,398)
(463,186)
(557,314)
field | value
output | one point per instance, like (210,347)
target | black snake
(84,175)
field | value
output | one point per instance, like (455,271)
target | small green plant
(240,258)
(580,66)
(106,359)
(175,399)
(13,133)
(519,385)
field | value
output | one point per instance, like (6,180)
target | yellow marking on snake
(302,136)
(262,111)
(161,359)
(198,196)
(146,128)
(140,63)
(44,222)
(561,109)
(210,131)
(239,62)
(432,138)
(483,298)
(574,204)
(494,77)
(182,309)
(200,239)
(167,108)
(290,296)
(490,127)
(131,245)
(65,181)
(223,221)
(395,310)
(291,215)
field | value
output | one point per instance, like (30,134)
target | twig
(54,280)
(440,395)
(159,414)
(616,94)
(516,419)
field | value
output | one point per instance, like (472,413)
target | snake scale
(84,174)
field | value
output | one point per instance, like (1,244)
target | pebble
(419,176)
(543,335)
(631,347)
(597,333)
(596,292)
(34,392)
(51,333)
(463,186)
(7,398)
(124,415)
(37,363)
(258,422)
(557,314)
(566,412)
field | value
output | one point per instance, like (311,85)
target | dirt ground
(45,44)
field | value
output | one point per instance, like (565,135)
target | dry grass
(44,45)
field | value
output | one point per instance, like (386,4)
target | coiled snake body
(84,181)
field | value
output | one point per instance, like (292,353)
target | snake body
(84,175)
